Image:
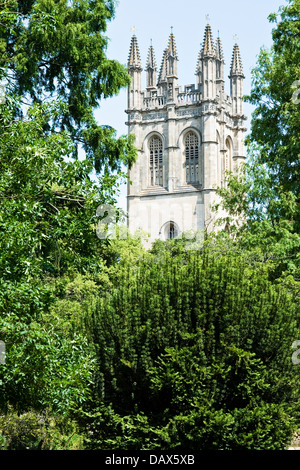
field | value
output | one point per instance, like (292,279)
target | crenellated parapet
(162,86)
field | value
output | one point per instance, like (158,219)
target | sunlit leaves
(58,50)
(187,356)
(276,118)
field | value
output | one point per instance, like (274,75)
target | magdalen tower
(187,138)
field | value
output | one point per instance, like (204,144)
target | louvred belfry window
(156,161)
(192,158)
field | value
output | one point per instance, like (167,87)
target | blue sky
(153,19)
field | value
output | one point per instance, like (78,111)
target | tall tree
(276,119)
(47,227)
(56,72)
(57,49)
(266,199)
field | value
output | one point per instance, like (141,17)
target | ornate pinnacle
(151,62)
(134,59)
(208,43)
(236,63)
(172,47)
(219,50)
(164,67)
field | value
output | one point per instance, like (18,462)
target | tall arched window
(192,157)
(156,161)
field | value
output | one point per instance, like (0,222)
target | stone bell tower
(187,138)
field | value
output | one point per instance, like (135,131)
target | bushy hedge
(195,350)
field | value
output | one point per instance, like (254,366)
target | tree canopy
(276,118)
(188,359)
(57,50)
(55,71)
(266,199)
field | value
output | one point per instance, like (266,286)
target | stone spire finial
(151,62)
(134,59)
(219,50)
(208,48)
(151,68)
(236,63)
(172,51)
(169,60)
(164,67)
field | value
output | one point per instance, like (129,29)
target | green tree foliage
(48,206)
(38,431)
(266,198)
(57,49)
(194,351)
(275,88)
(49,200)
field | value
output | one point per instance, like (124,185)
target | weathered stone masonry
(186,138)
